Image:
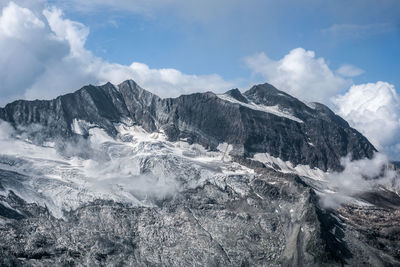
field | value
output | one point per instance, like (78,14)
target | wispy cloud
(200,11)
(358,177)
(348,70)
(352,31)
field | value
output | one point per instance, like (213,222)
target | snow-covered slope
(136,168)
(276,110)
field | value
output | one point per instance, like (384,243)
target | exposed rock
(273,223)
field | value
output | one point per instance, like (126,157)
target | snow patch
(288,167)
(311,105)
(276,110)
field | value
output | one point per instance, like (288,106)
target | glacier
(136,167)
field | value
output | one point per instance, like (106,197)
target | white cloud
(46,56)
(27,49)
(373,109)
(173,82)
(348,70)
(300,73)
(74,33)
(17,22)
(358,177)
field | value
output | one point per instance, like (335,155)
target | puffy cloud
(301,74)
(46,56)
(74,33)
(17,22)
(173,82)
(348,70)
(23,36)
(373,109)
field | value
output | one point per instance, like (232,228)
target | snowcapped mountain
(115,175)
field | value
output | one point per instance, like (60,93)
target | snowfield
(135,168)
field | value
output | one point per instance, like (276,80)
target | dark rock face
(318,137)
(377,226)
(102,105)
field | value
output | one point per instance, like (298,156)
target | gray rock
(271,225)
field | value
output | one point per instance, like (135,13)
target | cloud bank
(46,57)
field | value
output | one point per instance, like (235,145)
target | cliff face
(263,119)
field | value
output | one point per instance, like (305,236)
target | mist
(358,177)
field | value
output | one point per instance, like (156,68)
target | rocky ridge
(262,120)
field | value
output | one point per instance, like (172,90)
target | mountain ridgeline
(309,134)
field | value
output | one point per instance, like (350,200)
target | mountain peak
(128,82)
(236,94)
(267,94)
(265,89)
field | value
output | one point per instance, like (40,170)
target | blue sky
(342,53)
(201,42)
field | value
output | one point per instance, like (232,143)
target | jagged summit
(267,94)
(236,94)
(264,90)
(263,119)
